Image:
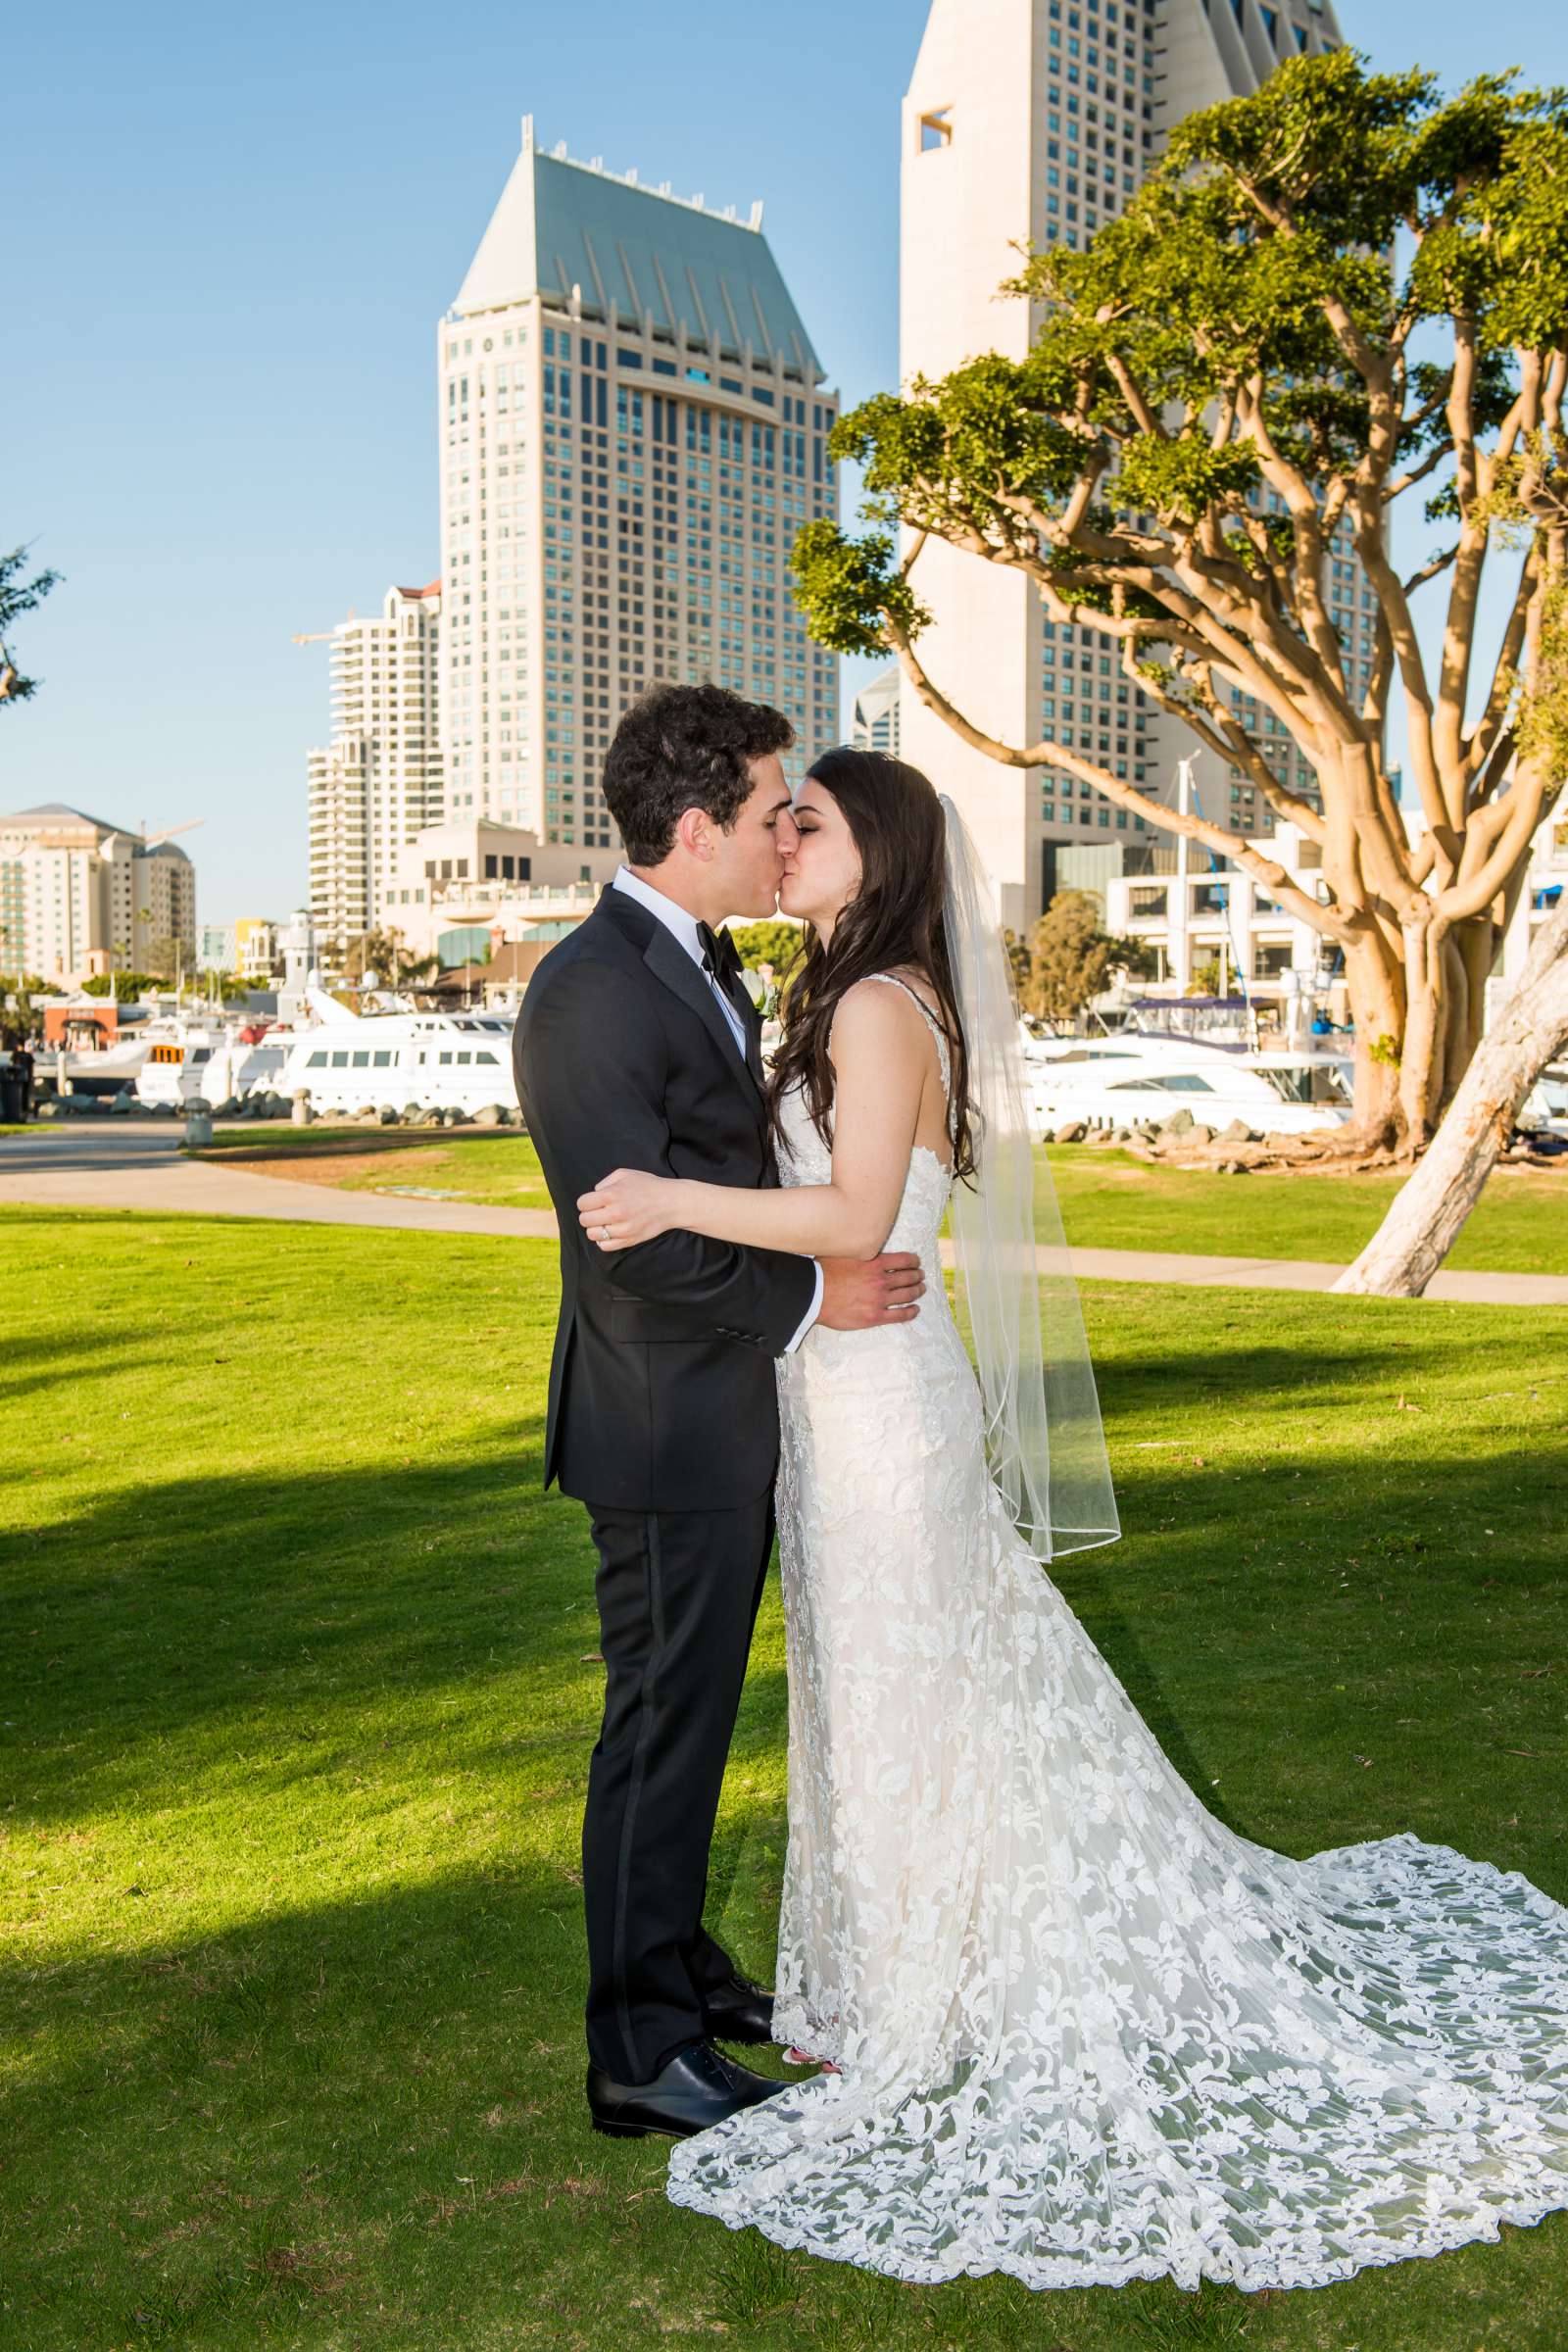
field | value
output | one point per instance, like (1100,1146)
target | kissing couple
(1067,2025)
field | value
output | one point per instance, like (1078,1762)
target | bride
(1071,2028)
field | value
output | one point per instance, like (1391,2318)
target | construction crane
(150,841)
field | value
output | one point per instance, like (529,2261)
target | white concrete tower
(632,429)
(378,782)
(1028,122)
(874,723)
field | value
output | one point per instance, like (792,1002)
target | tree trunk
(1421,1050)
(1375,986)
(1426,1215)
(1477,945)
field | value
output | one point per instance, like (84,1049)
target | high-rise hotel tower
(633,428)
(1029,123)
(378,782)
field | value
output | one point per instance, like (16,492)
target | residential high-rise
(874,726)
(80,896)
(378,782)
(1030,122)
(633,428)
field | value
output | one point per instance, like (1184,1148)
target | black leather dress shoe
(697,2087)
(738,2011)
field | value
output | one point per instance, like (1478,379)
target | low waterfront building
(460,890)
(1198,915)
(255,947)
(247,946)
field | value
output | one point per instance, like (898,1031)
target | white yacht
(212,1062)
(439,1060)
(94,1072)
(1128,1079)
(1544,1110)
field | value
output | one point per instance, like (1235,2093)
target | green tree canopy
(17,597)
(772,941)
(124,987)
(1071,958)
(1339,293)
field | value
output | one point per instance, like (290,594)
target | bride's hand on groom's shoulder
(626,1207)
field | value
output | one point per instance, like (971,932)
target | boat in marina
(1130,1079)
(92,1048)
(399,1061)
(1544,1110)
(103,1070)
(211,1062)
(398,1058)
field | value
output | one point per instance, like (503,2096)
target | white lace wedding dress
(1087,2033)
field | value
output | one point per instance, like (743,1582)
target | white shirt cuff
(812,1312)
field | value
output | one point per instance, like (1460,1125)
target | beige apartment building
(80,897)
(378,780)
(1029,123)
(633,428)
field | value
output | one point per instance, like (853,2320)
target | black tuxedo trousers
(663,1420)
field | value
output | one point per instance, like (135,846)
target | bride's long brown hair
(892,923)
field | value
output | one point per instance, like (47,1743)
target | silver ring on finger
(604,1232)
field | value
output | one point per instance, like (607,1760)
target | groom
(638,1047)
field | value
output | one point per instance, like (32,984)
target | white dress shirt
(683,926)
(675,919)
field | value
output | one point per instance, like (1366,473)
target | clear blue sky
(231,236)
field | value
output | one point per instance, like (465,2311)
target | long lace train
(1085,2032)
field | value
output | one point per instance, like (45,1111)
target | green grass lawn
(1109,1201)
(297,1726)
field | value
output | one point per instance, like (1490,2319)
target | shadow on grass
(283,2117)
(1350,1348)
(362,2122)
(1240,1593)
(125,1354)
(197,1601)
(271,1141)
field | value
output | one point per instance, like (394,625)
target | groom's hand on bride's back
(859,1293)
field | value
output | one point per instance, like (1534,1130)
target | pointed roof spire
(561,224)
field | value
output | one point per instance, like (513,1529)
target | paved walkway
(136,1164)
(1305,1274)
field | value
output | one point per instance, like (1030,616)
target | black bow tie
(720,953)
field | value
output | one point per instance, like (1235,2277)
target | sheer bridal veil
(1044,1438)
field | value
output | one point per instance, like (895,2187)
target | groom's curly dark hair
(685,746)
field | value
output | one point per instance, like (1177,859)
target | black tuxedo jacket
(662,1388)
